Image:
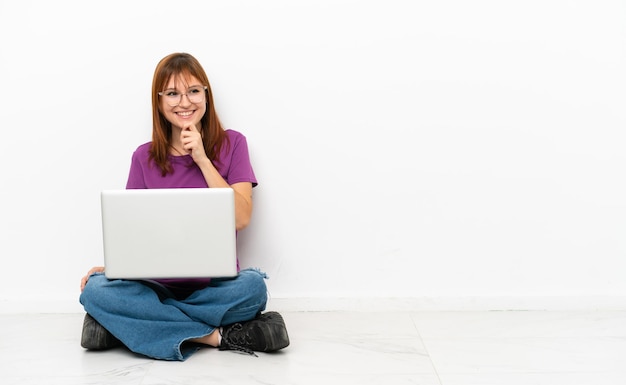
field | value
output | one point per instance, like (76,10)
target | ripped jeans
(152,323)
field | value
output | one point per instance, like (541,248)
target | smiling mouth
(184,113)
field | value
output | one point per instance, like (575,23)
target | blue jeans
(152,322)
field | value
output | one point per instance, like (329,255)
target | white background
(404,149)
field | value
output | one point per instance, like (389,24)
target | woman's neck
(176,146)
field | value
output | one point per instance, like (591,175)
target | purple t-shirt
(233,165)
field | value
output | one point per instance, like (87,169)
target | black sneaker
(265,333)
(96,337)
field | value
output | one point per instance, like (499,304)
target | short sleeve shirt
(233,165)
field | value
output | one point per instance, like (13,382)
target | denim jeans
(151,322)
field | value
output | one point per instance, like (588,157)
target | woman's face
(183,101)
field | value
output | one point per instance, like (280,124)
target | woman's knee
(253,280)
(100,289)
(93,286)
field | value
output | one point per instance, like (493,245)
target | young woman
(170,319)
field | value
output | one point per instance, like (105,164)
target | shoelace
(231,343)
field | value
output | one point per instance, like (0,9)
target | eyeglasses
(173,97)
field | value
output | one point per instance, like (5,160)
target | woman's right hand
(83,281)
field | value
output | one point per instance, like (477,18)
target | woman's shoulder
(143,148)
(236,139)
(233,134)
(142,151)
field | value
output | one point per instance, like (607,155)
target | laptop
(169,233)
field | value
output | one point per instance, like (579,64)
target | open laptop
(169,233)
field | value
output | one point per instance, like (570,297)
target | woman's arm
(192,142)
(243,193)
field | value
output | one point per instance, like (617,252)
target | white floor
(445,348)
